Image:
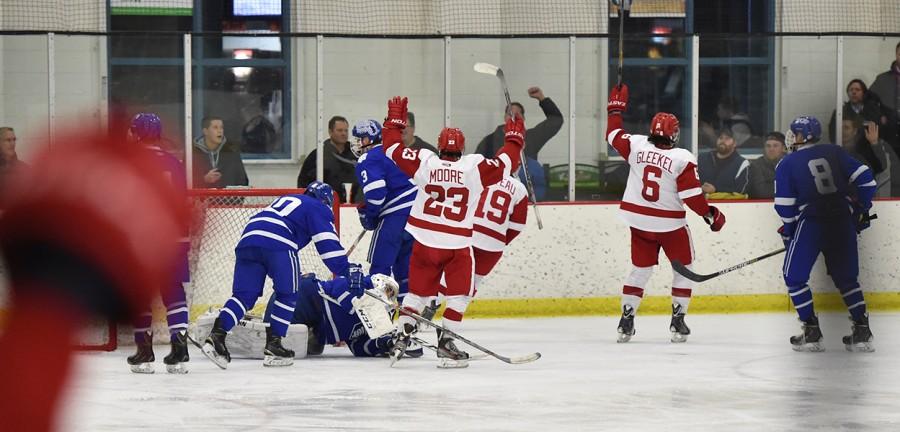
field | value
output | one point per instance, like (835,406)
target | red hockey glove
(514,132)
(618,99)
(397,113)
(715,219)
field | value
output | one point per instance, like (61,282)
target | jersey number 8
(821,172)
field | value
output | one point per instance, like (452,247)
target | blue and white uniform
(325,307)
(816,203)
(269,246)
(389,196)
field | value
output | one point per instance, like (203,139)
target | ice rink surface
(736,373)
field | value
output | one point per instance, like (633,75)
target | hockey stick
(356,242)
(434,348)
(489,69)
(624,7)
(684,271)
(510,360)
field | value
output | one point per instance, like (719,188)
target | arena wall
(577,263)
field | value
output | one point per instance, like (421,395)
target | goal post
(218,219)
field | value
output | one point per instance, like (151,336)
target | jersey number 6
(650,191)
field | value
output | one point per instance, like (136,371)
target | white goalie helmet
(387,285)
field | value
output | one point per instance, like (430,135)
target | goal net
(219,218)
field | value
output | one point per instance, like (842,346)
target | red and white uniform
(501,216)
(660,182)
(441,219)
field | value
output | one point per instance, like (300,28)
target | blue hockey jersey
(326,308)
(386,188)
(815,181)
(291,223)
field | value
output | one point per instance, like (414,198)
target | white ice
(735,373)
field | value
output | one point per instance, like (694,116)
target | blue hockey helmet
(145,127)
(321,191)
(806,130)
(367,133)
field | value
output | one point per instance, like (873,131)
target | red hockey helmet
(665,125)
(451,142)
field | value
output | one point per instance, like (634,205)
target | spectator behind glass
(723,172)
(338,160)
(861,104)
(216,163)
(410,139)
(9,159)
(887,87)
(727,117)
(761,172)
(535,138)
(861,140)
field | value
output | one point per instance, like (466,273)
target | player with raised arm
(146,130)
(441,220)
(823,214)
(500,218)
(269,246)
(662,179)
(389,196)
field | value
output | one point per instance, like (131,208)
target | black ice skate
(214,346)
(276,354)
(811,337)
(176,361)
(679,329)
(402,339)
(860,338)
(626,324)
(142,360)
(449,356)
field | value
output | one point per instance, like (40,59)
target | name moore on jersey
(442,217)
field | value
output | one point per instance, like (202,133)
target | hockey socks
(856,303)
(231,313)
(802,298)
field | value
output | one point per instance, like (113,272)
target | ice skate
(276,354)
(810,339)
(626,324)
(679,329)
(142,360)
(176,361)
(214,347)
(860,338)
(402,340)
(449,356)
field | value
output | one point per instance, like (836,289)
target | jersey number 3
(452,203)
(650,191)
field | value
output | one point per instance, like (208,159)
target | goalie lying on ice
(327,312)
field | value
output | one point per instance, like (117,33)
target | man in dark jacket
(762,169)
(887,88)
(216,163)
(338,160)
(410,139)
(723,170)
(535,138)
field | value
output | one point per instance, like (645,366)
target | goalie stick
(684,271)
(509,360)
(489,69)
